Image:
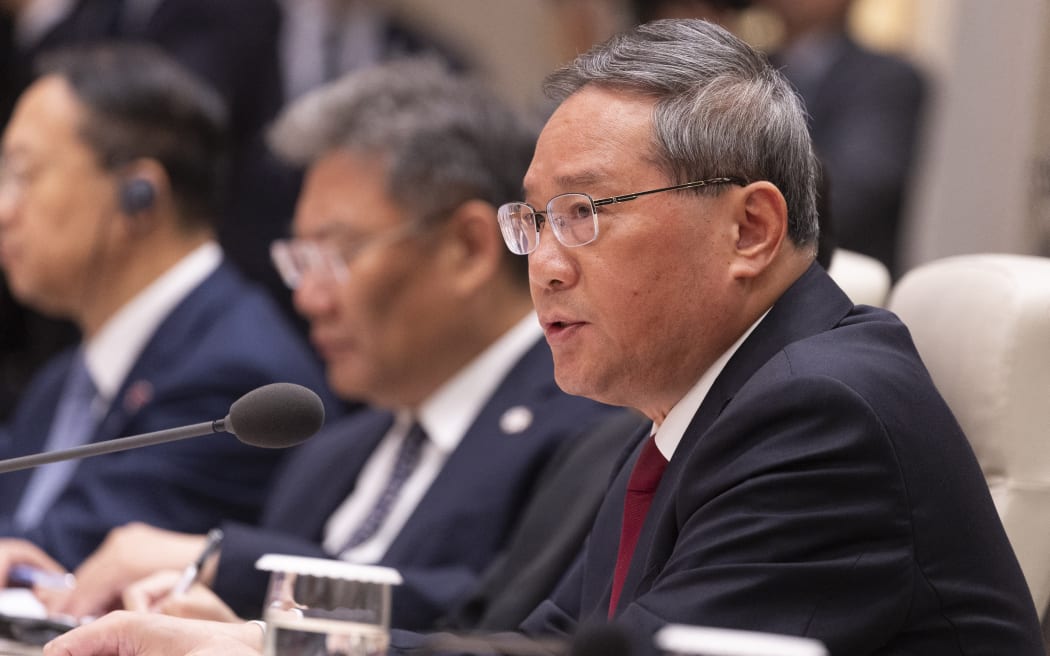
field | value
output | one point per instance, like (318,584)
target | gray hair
(444,139)
(720,109)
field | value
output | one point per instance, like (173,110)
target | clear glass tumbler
(318,607)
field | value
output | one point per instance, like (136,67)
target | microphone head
(276,416)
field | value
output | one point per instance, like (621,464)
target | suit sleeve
(237,581)
(187,485)
(558,615)
(427,593)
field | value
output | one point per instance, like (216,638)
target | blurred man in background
(110,184)
(231,45)
(865,110)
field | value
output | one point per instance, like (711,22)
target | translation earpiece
(136,196)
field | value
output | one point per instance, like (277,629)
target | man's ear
(760,229)
(472,245)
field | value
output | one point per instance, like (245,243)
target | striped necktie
(405,463)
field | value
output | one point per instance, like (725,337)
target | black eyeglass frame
(729,179)
(541,217)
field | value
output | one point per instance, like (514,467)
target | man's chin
(17,288)
(344,385)
(38,302)
(572,382)
(606,386)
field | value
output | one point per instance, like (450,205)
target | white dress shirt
(445,416)
(119,343)
(670,432)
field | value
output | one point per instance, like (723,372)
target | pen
(193,570)
(27,576)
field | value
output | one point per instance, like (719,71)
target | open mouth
(561,330)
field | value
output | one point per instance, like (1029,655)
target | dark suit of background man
(109,188)
(865,111)
(416,306)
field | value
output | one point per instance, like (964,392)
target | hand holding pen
(128,554)
(155,594)
(169,591)
(193,570)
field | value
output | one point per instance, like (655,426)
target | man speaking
(804,477)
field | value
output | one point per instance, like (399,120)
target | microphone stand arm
(112,446)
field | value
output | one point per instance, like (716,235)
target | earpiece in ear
(136,196)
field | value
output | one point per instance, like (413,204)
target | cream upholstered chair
(982,325)
(864,279)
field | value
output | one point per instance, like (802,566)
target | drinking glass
(319,607)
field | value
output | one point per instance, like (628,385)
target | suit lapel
(490,440)
(813,304)
(174,337)
(336,456)
(604,540)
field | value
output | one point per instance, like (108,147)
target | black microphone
(273,416)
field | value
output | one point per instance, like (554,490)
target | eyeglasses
(328,259)
(573,217)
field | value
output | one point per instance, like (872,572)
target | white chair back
(982,326)
(864,279)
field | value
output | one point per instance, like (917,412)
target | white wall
(511,40)
(976,187)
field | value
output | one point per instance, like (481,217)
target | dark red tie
(640,488)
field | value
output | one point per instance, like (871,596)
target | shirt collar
(670,432)
(111,353)
(452,408)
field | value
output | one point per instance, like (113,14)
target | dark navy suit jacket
(550,533)
(460,524)
(822,489)
(865,114)
(224,339)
